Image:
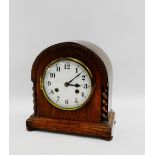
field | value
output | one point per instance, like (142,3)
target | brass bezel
(69,59)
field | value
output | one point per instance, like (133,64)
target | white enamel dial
(67,84)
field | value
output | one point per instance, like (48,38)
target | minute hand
(74,78)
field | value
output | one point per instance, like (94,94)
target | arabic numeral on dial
(49,83)
(76,101)
(85,86)
(57,68)
(82,94)
(67,66)
(76,70)
(51,92)
(52,75)
(66,101)
(83,77)
(58,98)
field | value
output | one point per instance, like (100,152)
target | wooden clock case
(94,119)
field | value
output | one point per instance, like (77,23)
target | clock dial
(67,84)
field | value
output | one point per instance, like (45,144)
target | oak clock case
(70,90)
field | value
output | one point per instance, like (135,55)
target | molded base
(101,130)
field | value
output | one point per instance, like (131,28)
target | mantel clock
(72,91)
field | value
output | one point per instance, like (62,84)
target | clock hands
(76,85)
(68,83)
(75,77)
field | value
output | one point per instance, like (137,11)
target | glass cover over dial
(67,83)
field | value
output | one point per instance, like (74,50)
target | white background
(117,26)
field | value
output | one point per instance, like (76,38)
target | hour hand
(75,85)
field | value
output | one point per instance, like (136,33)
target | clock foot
(29,128)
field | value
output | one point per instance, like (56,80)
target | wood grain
(92,110)
(100,130)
